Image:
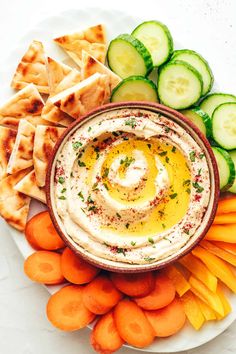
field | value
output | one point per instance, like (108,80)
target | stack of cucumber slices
(184,80)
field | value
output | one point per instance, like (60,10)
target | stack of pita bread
(31,124)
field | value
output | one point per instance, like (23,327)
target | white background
(208,26)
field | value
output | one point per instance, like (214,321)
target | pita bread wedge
(57,71)
(14,206)
(22,153)
(28,186)
(93,40)
(44,141)
(7,140)
(83,97)
(27,103)
(90,66)
(32,69)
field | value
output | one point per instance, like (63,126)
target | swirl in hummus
(131,186)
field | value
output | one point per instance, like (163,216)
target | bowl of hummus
(132,186)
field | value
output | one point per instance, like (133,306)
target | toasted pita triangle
(32,69)
(28,186)
(22,153)
(90,66)
(56,73)
(44,141)
(14,206)
(93,40)
(27,103)
(7,140)
(83,97)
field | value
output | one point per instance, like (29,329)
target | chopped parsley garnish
(149,259)
(92,208)
(133,243)
(131,122)
(71,174)
(106,172)
(81,163)
(167,129)
(150,239)
(76,145)
(95,186)
(199,189)
(127,225)
(80,194)
(163,225)
(186,231)
(173,149)
(167,159)
(192,156)
(201,156)
(163,153)
(62,197)
(188,190)
(149,146)
(115,133)
(125,138)
(127,161)
(120,250)
(186,183)
(167,239)
(89,129)
(199,172)
(118,215)
(63,190)
(61,180)
(173,196)
(106,186)
(90,200)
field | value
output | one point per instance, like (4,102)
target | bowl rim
(132,105)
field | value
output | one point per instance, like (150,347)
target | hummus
(131,186)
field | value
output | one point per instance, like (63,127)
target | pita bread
(56,73)
(14,206)
(44,141)
(22,153)
(83,97)
(32,69)
(28,186)
(27,103)
(90,66)
(92,40)
(7,140)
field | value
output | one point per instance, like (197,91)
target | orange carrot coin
(137,284)
(66,311)
(41,234)
(105,337)
(44,267)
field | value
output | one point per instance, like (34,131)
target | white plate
(116,23)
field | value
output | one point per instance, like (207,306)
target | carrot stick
(221,253)
(162,295)
(101,295)
(137,284)
(221,219)
(192,310)
(227,205)
(132,324)
(206,310)
(105,337)
(41,234)
(66,311)
(75,269)
(229,247)
(226,233)
(44,267)
(168,320)
(180,283)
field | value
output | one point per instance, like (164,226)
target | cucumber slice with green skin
(224,125)
(179,85)
(127,56)
(226,168)
(135,88)
(210,102)
(199,63)
(157,39)
(200,119)
(233,157)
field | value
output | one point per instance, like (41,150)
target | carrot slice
(226,256)
(226,305)
(217,266)
(162,295)
(229,218)
(44,267)
(224,233)
(105,337)
(66,311)
(227,205)
(180,283)
(137,284)
(229,247)
(132,324)
(41,234)
(199,270)
(168,320)
(206,310)
(101,295)
(75,269)
(192,310)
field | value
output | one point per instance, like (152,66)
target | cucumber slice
(200,119)
(224,125)
(225,167)
(135,88)
(179,85)
(213,100)
(128,56)
(199,63)
(233,157)
(157,39)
